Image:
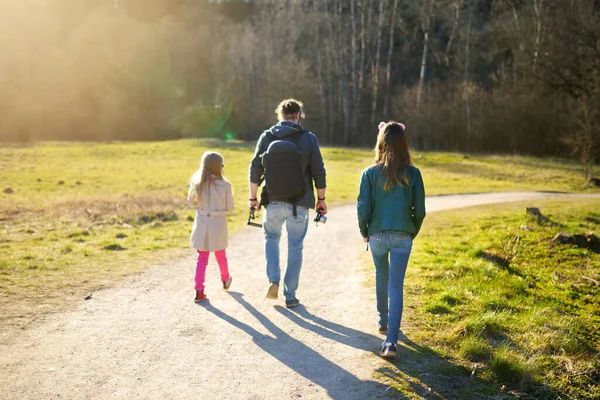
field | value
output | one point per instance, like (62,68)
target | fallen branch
(595,282)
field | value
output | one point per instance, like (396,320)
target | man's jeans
(390,251)
(276,214)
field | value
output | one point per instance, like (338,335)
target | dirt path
(147,339)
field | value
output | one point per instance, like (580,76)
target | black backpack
(283,169)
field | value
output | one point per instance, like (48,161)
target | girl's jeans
(390,251)
(203,262)
(276,214)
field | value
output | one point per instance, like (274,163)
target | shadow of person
(331,330)
(339,383)
(416,369)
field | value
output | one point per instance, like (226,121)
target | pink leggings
(201,267)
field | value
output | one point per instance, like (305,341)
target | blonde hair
(392,153)
(211,166)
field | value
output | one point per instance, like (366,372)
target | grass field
(77,216)
(491,291)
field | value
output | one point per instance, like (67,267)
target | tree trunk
(467,102)
(375,73)
(537,9)
(353,76)
(343,77)
(388,72)
(342,98)
(330,113)
(425,50)
(320,72)
(517,24)
(365,20)
(456,6)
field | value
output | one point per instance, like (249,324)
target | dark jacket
(400,209)
(312,160)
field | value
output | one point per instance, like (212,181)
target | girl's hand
(366,240)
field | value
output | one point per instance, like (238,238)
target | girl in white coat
(212,195)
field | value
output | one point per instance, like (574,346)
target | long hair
(211,166)
(391,152)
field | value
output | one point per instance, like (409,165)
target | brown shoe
(273,290)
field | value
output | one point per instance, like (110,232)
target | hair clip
(383,124)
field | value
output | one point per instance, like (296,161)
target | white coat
(209,232)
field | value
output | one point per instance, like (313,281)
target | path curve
(146,338)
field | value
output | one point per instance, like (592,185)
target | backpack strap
(295,137)
(270,137)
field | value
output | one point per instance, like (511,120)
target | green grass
(530,322)
(82,215)
(445,173)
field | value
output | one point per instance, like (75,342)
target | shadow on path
(417,369)
(339,383)
(431,376)
(331,330)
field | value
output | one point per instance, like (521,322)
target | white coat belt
(208,213)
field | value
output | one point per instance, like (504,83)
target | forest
(502,76)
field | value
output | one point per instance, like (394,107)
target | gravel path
(147,339)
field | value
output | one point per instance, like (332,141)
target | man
(292,211)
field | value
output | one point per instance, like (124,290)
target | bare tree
(467,100)
(426,27)
(366,13)
(375,69)
(354,77)
(318,50)
(388,70)
(538,6)
(456,5)
(522,71)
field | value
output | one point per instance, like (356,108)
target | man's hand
(366,240)
(322,207)
(255,204)
(253,190)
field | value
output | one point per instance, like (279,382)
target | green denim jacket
(400,209)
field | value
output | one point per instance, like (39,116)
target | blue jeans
(390,251)
(276,214)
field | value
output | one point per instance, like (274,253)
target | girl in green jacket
(391,209)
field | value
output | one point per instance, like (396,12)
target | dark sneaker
(292,303)
(227,283)
(388,350)
(382,329)
(273,290)
(199,296)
